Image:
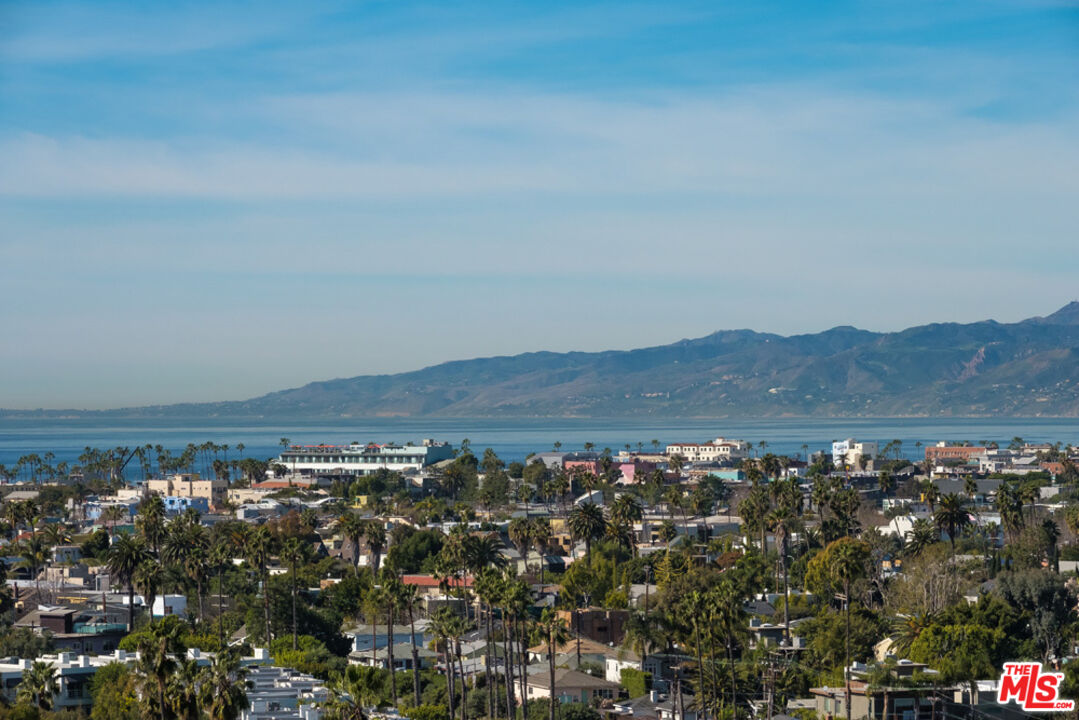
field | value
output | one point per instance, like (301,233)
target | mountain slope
(985,368)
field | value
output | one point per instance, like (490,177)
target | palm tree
(1051,533)
(33,555)
(112,516)
(156,663)
(520,534)
(294,553)
(920,536)
(257,551)
(352,527)
(125,556)
(906,629)
(223,686)
(182,691)
(148,578)
(56,534)
(444,625)
(220,558)
(375,534)
(847,565)
(727,617)
(39,686)
(540,532)
(626,508)
(551,630)
(951,517)
(587,523)
(150,522)
(784,521)
(409,598)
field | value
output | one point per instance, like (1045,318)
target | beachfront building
(718,450)
(942,452)
(189,485)
(847,453)
(358,459)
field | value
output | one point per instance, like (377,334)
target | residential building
(402,655)
(364,635)
(906,698)
(942,451)
(190,485)
(77,630)
(170,605)
(602,626)
(178,504)
(358,459)
(74,673)
(572,686)
(847,453)
(718,450)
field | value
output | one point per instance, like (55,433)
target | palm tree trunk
(266,604)
(846,661)
(700,662)
(461,665)
(734,686)
(786,591)
(487,668)
(522,663)
(550,671)
(220,612)
(713,675)
(451,689)
(507,657)
(130,606)
(374,637)
(415,657)
(295,641)
(389,652)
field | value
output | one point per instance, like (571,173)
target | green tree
(551,631)
(223,688)
(125,556)
(586,522)
(39,686)
(294,552)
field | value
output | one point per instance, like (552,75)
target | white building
(717,450)
(170,605)
(357,459)
(73,672)
(847,452)
(277,693)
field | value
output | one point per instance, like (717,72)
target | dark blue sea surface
(512,439)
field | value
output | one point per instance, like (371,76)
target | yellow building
(190,485)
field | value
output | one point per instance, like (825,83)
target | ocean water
(512,439)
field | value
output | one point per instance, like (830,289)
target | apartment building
(190,485)
(358,459)
(718,450)
(848,452)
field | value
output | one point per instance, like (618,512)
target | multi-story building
(191,485)
(718,450)
(357,459)
(848,452)
(942,451)
(73,672)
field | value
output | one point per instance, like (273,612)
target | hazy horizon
(213,201)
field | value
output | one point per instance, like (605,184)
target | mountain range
(1028,368)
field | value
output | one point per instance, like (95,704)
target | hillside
(1029,368)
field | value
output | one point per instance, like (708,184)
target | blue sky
(204,201)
